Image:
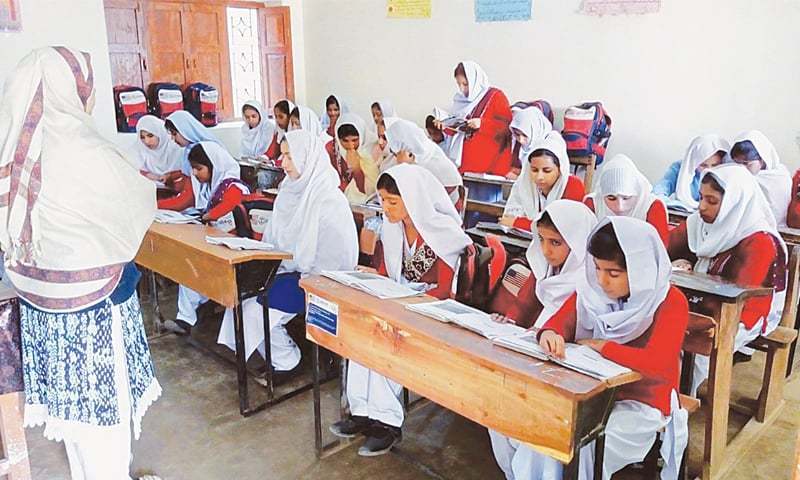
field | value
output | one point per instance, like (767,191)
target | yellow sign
(408,8)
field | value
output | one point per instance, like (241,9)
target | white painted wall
(695,67)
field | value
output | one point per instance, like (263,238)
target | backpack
(201,100)
(165,98)
(587,128)
(251,216)
(130,104)
(542,105)
(506,294)
(477,272)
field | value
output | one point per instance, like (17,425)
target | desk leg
(719,392)
(241,361)
(317,400)
(793,346)
(268,372)
(571,469)
(159,319)
(599,453)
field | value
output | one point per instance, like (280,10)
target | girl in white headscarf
(622,190)
(75,210)
(528,126)
(625,309)
(381,110)
(335,107)
(311,220)
(754,151)
(159,155)
(733,235)
(483,145)
(681,182)
(545,178)
(357,170)
(421,243)
(257,131)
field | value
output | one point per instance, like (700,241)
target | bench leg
(771,396)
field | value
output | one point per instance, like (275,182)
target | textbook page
(171,216)
(239,243)
(451,311)
(373,284)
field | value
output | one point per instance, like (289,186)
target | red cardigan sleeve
(756,255)
(657,217)
(232,197)
(444,280)
(183,200)
(589,202)
(274,149)
(563,322)
(678,245)
(575,189)
(523,223)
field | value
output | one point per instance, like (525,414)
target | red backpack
(130,104)
(165,98)
(543,105)
(201,101)
(587,128)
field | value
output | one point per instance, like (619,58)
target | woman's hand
(682,264)
(437,124)
(363,269)
(404,156)
(474,123)
(496,317)
(507,220)
(552,343)
(205,218)
(353,159)
(513,174)
(594,344)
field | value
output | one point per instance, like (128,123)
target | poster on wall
(503,10)
(408,8)
(10,19)
(599,8)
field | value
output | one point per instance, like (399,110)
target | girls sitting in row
(420,244)
(681,182)
(312,220)
(186,131)
(357,171)
(258,131)
(622,190)
(160,157)
(528,126)
(545,178)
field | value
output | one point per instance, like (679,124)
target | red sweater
(183,200)
(440,273)
(573,191)
(656,216)
(793,214)
(232,197)
(488,149)
(655,354)
(751,263)
(274,150)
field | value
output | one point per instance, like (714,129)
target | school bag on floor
(587,128)
(201,101)
(251,216)
(543,105)
(165,98)
(130,104)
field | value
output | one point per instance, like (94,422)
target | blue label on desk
(322,314)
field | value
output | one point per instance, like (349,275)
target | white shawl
(225,167)
(256,140)
(166,157)
(775,180)
(478,83)
(525,199)
(621,177)
(532,122)
(698,152)
(405,135)
(310,122)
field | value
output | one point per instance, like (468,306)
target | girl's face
(463,85)
(333,112)
(613,278)
(520,137)
(350,143)
(294,123)
(252,117)
(287,163)
(150,141)
(201,172)
(282,120)
(710,162)
(377,116)
(544,173)
(382,142)
(710,203)
(620,204)
(554,247)
(179,139)
(753,166)
(393,207)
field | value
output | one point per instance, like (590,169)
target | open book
(239,243)
(513,231)
(373,284)
(487,176)
(577,357)
(171,216)
(451,311)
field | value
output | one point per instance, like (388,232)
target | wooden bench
(590,164)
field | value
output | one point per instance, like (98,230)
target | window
(245,58)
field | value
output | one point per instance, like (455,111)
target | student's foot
(380,439)
(178,327)
(350,427)
(739,357)
(280,377)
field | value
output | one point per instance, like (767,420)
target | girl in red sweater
(421,242)
(622,189)
(545,178)
(626,310)
(733,235)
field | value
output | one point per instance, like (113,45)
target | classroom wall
(695,67)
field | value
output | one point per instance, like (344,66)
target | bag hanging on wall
(201,101)
(165,98)
(130,104)
(587,129)
(543,105)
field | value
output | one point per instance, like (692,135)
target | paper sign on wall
(502,10)
(10,20)
(619,7)
(322,314)
(408,8)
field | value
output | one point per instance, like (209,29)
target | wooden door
(206,38)
(166,44)
(126,45)
(276,54)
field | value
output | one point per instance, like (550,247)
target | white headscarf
(256,140)
(166,157)
(743,212)
(698,152)
(301,204)
(225,167)
(478,84)
(366,141)
(574,222)
(433,215)
(282,132)
(775,180)
(310,122)
(525,199)
(75,209)
(649,270)
(621,177)
(387,109)
(532,122)
(324,119)
(405,135)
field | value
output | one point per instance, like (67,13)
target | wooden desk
(676,217)
(717,404)
(489,208)
(514,245)
(181,253)
(554,409)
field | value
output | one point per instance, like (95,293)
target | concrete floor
(195,432)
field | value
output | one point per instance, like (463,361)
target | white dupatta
(621,177)
(256,140)
(775,180)
(525,199)
(698,152)
(462,107)
(405,135)
(166,157)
